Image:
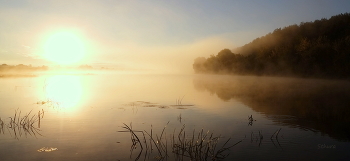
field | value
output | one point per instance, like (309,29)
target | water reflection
(65,90)
(320,105)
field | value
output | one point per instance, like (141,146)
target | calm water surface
(81,116)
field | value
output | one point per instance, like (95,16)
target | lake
(123,116)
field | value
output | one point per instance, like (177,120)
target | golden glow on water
(66,90)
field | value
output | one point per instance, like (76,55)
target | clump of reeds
(194,146)
(199,146)
(178,103)
(23,125)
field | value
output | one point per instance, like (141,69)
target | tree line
(311,49)
(22,67)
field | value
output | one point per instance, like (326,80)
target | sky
(148,34)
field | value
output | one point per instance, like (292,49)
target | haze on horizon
(148,35)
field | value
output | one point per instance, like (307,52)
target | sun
(64,48)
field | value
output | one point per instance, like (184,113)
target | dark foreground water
(173,117)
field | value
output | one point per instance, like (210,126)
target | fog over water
(174,80)
(82,111)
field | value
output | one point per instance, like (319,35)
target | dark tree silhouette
(311,49)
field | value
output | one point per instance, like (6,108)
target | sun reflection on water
(65,90)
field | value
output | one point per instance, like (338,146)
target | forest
(311,49)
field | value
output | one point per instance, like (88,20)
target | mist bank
(311,49)
(22,70)
(311,104)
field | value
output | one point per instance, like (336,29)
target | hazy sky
(149,34)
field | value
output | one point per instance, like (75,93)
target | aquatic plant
(199,145)
(23,125)
(179,104)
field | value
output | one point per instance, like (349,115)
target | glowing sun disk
(64,48)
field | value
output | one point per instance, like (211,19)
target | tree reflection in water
(321,105)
